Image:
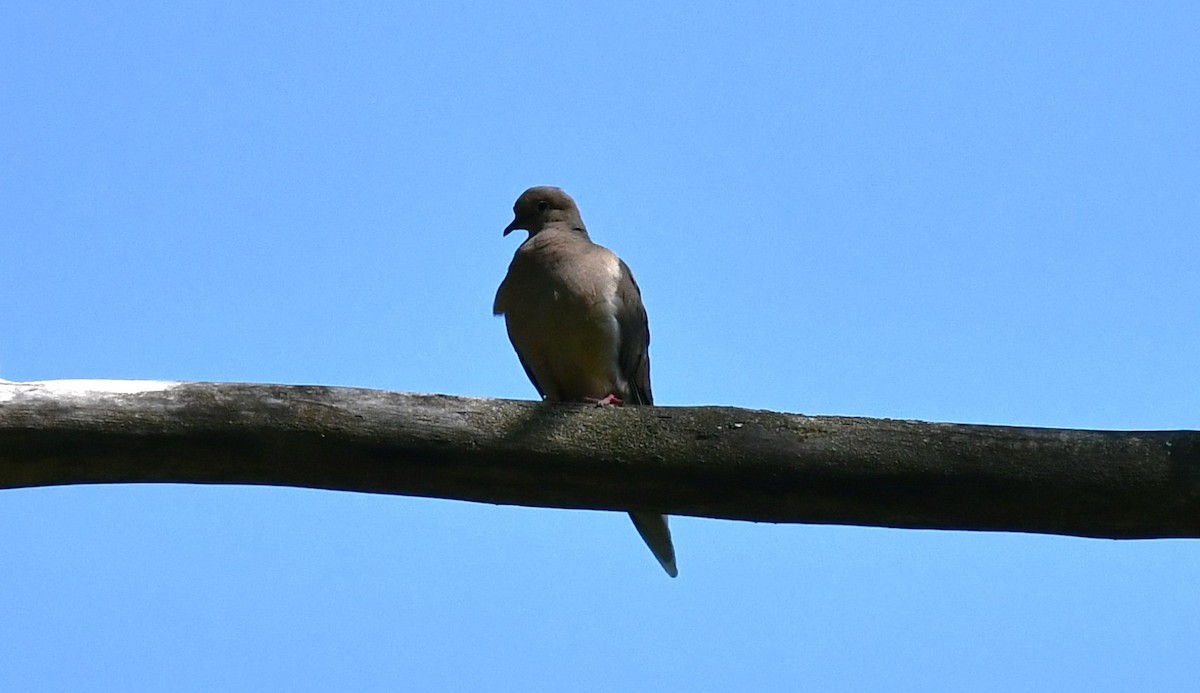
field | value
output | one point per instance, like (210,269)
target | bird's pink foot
(610,400)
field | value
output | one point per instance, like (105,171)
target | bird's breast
(561,312)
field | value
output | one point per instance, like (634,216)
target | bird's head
(542,206)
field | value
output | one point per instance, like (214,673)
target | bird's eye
(542,206)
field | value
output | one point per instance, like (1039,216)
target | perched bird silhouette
(575,317)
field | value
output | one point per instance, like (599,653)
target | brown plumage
(575,317)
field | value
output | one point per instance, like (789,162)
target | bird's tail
(657,535)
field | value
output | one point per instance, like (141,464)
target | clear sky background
(970,212)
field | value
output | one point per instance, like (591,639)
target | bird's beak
(511,227)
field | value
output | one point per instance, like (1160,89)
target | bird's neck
(573,227)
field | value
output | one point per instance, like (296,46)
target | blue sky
(972,212)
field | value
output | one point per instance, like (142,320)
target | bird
(575,317)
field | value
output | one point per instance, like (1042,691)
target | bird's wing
(500,307)
(634,350)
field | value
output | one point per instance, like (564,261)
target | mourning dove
(575,317)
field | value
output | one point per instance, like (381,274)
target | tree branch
(704,461)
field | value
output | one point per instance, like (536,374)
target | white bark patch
(75,388)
